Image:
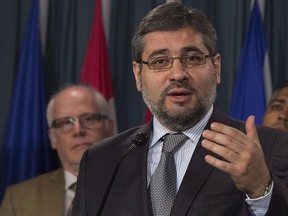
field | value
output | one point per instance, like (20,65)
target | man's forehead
(281,96)
(183,50)
(280,100)
(183,40)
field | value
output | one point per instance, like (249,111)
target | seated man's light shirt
(69,194)
(184,154)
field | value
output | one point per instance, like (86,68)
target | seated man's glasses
(161,63)
(88,121)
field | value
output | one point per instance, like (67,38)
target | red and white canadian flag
(96,68)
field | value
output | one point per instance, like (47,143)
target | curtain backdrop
(68,32)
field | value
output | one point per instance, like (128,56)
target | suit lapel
(197,172)
(135,169)
(54,196)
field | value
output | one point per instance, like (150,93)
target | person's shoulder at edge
(55,174)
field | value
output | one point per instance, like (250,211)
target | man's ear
(110,127)
(137,74)
(217,66)
(52,138)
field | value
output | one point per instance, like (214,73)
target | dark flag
(249,92)
(26,151)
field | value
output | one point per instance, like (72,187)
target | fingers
(251,128)
(241,155)
(231,137)
(225,136)
(227,165)
(234,146)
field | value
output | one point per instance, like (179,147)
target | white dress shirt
(69,194)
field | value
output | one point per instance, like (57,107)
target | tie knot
(73,187)
(173,142)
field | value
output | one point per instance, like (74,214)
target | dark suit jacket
(204,190)
(39,196)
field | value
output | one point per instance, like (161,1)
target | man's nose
(178,71)
(78,128)
(284,114)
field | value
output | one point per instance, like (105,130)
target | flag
(106,14)
(148,115)
(96,68)
(248,97)
(26,151)
(266,68)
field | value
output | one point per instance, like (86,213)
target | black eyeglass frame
(171,60)
(56,124)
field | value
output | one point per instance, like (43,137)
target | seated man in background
(276,115)
(77,117)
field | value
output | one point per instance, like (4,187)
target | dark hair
(283,85)
(171,17)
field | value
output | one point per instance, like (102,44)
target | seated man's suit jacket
(39,196)
(204,190)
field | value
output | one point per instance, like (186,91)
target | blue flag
(249,91)
(26,151)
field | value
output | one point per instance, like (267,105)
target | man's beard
(181,120)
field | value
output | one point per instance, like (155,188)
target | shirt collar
(69,179)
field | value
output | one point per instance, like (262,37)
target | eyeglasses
(161,63)
(88,121)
